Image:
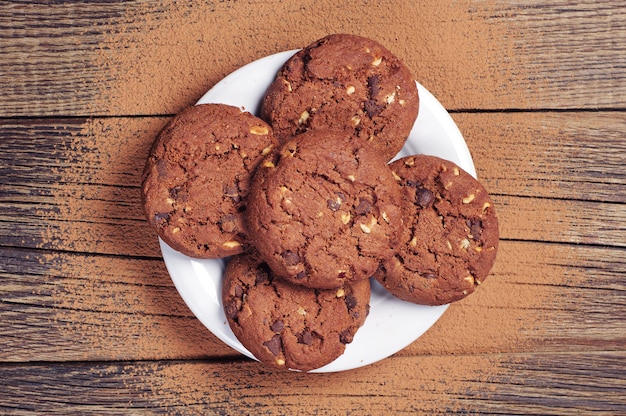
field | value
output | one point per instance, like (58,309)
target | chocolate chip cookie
(348,82)
(289,326)
(324,210)
(451,234)
(196,179)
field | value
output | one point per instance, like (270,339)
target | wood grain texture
(556,155)
(546,384)
(73,306)
(58,173)
(60,180)
(90,322)
(62,59)
(39,226)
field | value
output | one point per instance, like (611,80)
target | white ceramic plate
(392,324)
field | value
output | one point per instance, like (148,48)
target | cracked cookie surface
(289,326)
(196,179)
(450,237)
(324,210)
(348,82)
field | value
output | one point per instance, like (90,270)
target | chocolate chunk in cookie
(197,176)
(324,210)
(290,326)
(347,82)
(450,237)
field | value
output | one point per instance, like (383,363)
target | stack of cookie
(307,206)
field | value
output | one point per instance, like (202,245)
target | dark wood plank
(105,58)
(48,54)
(546,384)
(108,151)
(526,154)
(73,184)
(598,224)
(94,220)
(72,306)
(64,306)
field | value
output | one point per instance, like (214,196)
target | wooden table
(90,321)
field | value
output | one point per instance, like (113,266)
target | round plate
(392,324)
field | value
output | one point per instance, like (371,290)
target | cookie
(324,210)
(196,179)
(450,237)
(289,326)
(347,82)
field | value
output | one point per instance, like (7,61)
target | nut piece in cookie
(347,82)
(324,210)
(289,326)
(197,176)
(450,236)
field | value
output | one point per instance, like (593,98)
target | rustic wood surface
(90,322)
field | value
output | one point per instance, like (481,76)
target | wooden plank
(70,306)
(575,41)
(73,184)
(547,384)
(64,306)
(91,168)
(93,219)
(94,223)
(110,151)
(106,58)
(538,297)
(526,154)
(573,155)
(569,155)
(48,62)
(561,221)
